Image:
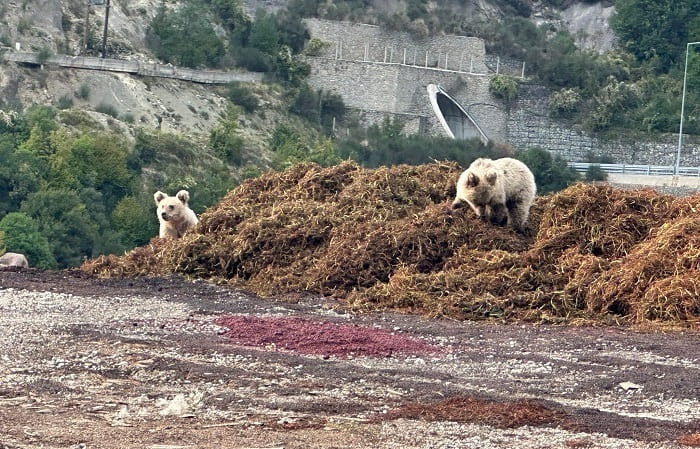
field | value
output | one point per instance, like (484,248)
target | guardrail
(636,169)
(136,67)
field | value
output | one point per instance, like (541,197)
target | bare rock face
(589,24)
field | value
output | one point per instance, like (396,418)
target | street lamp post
(680,132)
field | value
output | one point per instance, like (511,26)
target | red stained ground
(323,338)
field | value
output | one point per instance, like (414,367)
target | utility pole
(87,26)
(104,34)
(680,131)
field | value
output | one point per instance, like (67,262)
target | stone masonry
(384,74)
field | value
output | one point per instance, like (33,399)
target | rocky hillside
(192,109)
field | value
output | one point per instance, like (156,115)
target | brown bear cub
(500,191)
(174,214)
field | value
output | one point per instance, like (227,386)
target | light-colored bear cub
(174,214)
(500,191)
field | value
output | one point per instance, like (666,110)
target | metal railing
(137,67)
(636,169)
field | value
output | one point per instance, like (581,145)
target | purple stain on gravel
(323,338)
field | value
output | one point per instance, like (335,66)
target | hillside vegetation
(80,174)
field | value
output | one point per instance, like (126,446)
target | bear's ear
(472,180)
(491,177)
(184,196)
(158,196)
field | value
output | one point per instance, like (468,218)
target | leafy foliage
(224,138)
(185,36)
(656,29)
(64,220)
(551,172)
(386,144)
(66,194)
(595,173)
(21,235)
(503,87)
(242,96)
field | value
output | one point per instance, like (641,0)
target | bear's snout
(164,216)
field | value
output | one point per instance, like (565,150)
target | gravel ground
(165,363)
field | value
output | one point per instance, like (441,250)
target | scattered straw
(385,238)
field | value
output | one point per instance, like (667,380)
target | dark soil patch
(503,415)
(323,338)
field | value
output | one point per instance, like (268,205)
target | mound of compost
(385,238)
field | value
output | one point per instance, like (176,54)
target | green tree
(64,220)
(135,219)
(224,138)
(231,14)
(656,29)
(185,37)
(551,173)
(22,236)
(264,34)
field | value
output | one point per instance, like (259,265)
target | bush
(43,55)
(224,139)
(185,36)
(551,173)
(306,103)
(595,173)
(23,25)
(242,96)
(21,235)
(564,103)
(254,60)
(83,92)
(315,47)
(107,109)
(503,87)
(64,102)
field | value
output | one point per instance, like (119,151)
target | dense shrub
(564,103)
(185,36)
(551,172)
(242,96)
(503,87)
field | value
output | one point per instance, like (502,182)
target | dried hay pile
(384,238)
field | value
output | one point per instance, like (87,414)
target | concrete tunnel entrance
(456,122)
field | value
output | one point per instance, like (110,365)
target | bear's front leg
(497,214)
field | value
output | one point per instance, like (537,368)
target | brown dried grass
(384,239)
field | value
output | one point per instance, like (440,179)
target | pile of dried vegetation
(384,238)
